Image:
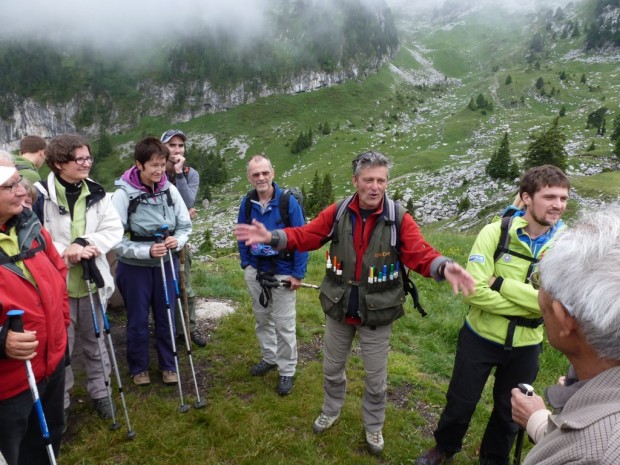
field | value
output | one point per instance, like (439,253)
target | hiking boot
(375,442)
(104,408)
(324,422)
(169,377)
(262,368)
(142,379)
(433,456)
(285,385)
(198,338)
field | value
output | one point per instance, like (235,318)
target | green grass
(246,422)
(605,186)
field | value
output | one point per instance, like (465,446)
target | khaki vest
(380,303)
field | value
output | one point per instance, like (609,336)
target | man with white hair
(579,297)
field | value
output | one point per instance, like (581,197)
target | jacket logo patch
(382,254)
(476,258)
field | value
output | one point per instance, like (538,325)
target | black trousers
(475,358)
(21,440)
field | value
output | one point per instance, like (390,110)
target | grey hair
(6,156)
(258,156)
(370,160)
(582,271)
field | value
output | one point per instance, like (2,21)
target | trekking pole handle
(85,270)
(526,389)
(16,323)
(159,238)
(165,231)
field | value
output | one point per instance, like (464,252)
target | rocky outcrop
(36,118)
(47,120)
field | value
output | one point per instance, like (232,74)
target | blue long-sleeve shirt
(270,217)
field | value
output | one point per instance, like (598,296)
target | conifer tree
(547,149)
(508,79)
(104,146)
(327,191)
(472,105)
(409,206)
(540,83)
(615,133)
(596,119)
(500,166)
(563,110)
(312,204)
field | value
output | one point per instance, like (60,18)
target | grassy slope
(245,421)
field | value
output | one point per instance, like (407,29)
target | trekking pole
(16,324)
(286,283)
(183,288)
(96,277)
(183,408)
(86,276)
(528,391)
(199,402)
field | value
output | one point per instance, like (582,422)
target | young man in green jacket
(503,329)
(31,157)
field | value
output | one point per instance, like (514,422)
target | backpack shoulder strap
(29,229)
(504,237)
(285,198)
(390,219)
(504,242)
(341,207)
(42,194)
(251,195)
(133,206)
(393,219)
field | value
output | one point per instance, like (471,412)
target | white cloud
(119,23)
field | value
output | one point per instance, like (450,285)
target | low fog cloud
(116,24)
(125,25)
(510,5)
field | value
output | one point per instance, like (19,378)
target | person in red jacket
(32,278)
(362,230)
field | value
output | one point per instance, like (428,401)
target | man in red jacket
(370,236)
(32,278)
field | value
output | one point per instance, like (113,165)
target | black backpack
(284,203)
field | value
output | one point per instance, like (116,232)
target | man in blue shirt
(274,307)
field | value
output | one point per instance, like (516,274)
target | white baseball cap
(6,172)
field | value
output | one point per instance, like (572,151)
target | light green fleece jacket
(515,297)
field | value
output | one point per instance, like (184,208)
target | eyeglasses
(82,161)
(264,174)
(12,187)
(534,279)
